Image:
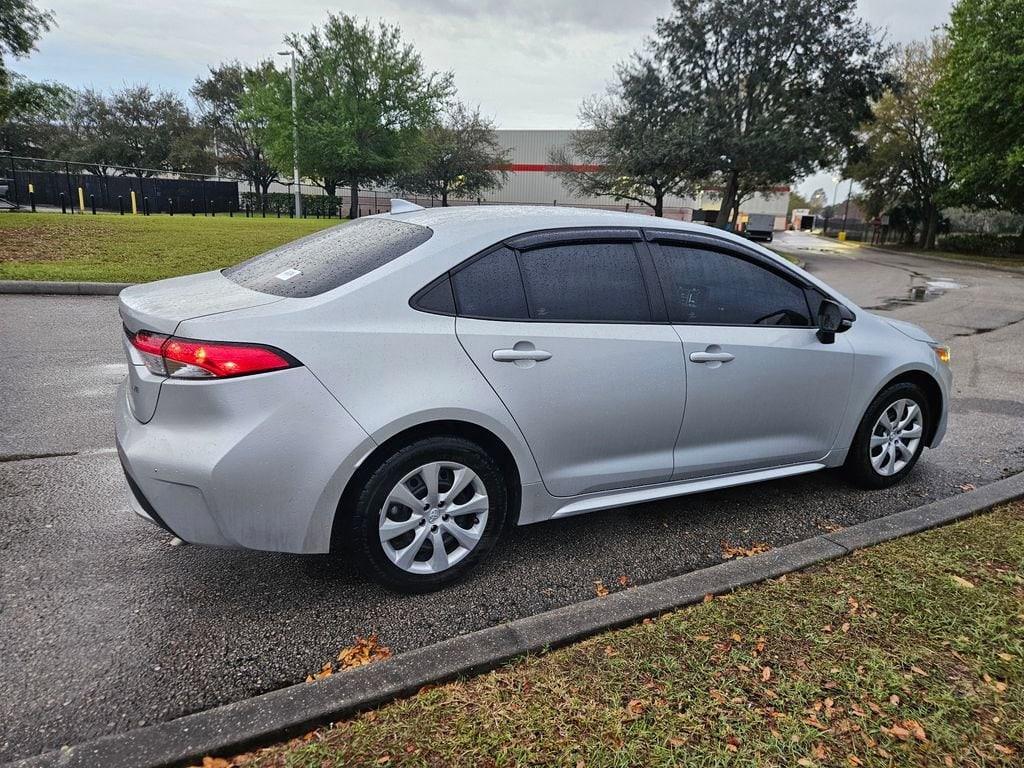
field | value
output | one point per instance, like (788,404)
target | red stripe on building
(546,168)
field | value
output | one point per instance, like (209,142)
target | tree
(633,146)
(239,131)
(363,99)
(21,25)
(32,109)
(819,199)
(901,160)
(979,100)
(458,154)
(778,87)
(150,132)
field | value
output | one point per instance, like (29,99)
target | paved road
(105,626)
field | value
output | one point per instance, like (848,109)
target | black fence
(70,186)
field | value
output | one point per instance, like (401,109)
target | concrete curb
(294,710)
(38,287)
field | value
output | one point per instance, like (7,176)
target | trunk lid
(161,307)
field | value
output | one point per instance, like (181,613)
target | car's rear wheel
(428,513)
(890,437)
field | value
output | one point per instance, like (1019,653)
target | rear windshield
(327,259)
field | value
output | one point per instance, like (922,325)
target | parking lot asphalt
(105,626)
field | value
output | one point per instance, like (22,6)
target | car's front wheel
(890,437)
(428,513)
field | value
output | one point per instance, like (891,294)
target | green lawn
(111,248)
(909,653)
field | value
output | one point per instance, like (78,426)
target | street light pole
(846,211)
(295,139)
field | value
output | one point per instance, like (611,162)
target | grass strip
(908,653)
(130,249)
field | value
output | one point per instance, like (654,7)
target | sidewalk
(909,653)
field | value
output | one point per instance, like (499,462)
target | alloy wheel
(433,517)
(896,436)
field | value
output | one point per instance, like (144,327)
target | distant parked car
(407,386)
(760,226)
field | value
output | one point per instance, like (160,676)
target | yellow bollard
(81,200)
(841,238)
(135,206)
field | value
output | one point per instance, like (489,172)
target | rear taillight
(193,359)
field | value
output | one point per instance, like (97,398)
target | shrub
(284,203)
(999,246)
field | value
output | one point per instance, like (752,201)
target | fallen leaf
(636,707)
(675,743)
(806,762)
(216,762)
(1005,656)
(623,580)
(600,589)
(962,582)
(766,674)
(918,671)
(325,671)
(894,700)
(365,650)
(854,760)
(730,551)
(915,729)
(898,732)
(708,597)
(965,487)
(1003,750)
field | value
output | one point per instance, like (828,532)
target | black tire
(365,514)
(858,461)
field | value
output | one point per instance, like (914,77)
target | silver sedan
(407,387)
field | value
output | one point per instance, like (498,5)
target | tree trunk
(728,200)
(659,204)
(353,206)
(444,197)
(931,227)
(330,187)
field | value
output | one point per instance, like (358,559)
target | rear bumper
(258,462)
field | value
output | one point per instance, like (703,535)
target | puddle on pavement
(921,289)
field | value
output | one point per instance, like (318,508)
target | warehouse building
(531,180)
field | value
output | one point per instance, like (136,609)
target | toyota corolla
(408,387)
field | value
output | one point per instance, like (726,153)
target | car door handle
(516,355)
(711,357)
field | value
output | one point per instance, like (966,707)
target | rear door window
(329,259)
(585,282)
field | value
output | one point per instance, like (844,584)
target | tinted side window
(596,282)
(491,287)
(714,288)
(328,259)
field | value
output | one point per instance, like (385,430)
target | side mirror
(833,318)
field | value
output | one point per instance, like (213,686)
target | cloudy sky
(527,63)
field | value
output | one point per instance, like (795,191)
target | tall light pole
(295,139)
